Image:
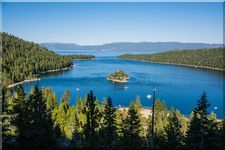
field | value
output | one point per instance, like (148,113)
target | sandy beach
(118,81)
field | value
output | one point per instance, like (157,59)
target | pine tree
(173,131)
(109,124)
(66,96)
(197,133)
(194,133)
(41,133)
(160,121)
(70,123)
(50,98)
(132,128)
(8,130)
(91,125)
(213,140)
(59,114)
(119,125)
(21,116)
(138,103)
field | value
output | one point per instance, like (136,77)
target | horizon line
(117,42)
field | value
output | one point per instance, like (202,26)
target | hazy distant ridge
(160,46)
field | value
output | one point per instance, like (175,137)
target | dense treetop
(24,60)
(212,58)
(35,120)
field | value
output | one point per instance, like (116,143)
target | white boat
(149,96)
(126,87)
(77,89)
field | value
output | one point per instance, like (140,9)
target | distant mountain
(60,46)
(160,46)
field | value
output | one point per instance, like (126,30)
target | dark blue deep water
(178,86)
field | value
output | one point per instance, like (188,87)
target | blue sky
(98,23)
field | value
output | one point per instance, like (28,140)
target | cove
(178,86)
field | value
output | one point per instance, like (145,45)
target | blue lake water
(178,86)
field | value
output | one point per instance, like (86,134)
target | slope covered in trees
(24,60)
(35,120)
(208,58)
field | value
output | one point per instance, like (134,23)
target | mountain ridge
(160,46)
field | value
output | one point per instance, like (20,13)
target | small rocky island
(118,76)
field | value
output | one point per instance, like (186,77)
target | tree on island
(118,76)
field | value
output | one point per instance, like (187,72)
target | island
(119,76)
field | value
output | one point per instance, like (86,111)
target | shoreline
(185,65)
(55,70)
(35,79)
(21,82)
(118,81)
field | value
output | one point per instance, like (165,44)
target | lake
(178,86)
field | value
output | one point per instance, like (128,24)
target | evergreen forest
(36,120)
(212,58)
(23,60)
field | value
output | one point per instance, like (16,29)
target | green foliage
(213,141)
(160,122)
(60,115)
(132,128)
(118,75)
(202,131)
(70,123)
(138,103)
(81,56)
(50,99)
(119,124)
(66,97)
(212,58)
(91,111)
(161,119)
(23,60)
(35,120)
(109,127)
(7,128)
(174,136)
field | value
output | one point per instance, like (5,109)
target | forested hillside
(24,60)
(80,56)
(208,58)
(36,120)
